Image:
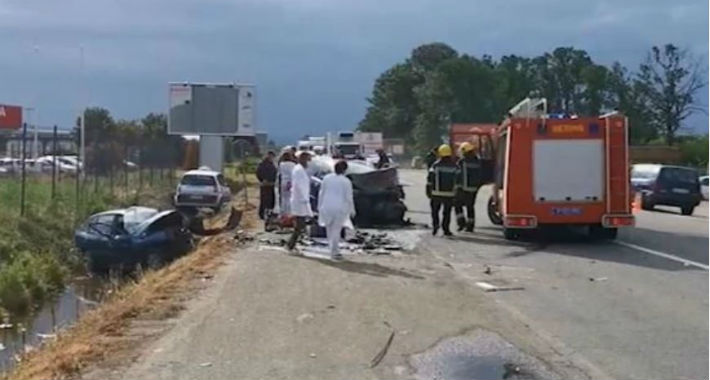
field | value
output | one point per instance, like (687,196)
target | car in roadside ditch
(666,185)
(124,238)
(202,188)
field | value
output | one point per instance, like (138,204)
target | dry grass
(104,332)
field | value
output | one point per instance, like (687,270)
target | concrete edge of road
(668,256)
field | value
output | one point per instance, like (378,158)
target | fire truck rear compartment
(568,170)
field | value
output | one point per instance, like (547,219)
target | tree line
(145,142)
(418,98)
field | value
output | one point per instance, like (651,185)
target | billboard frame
(238,86)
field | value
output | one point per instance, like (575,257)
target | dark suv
(666,185)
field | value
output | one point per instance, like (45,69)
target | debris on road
(597,279)
(206,364)
(304,317)
(381,355)
(487,287)
(361,242)
(487,270)
(312,355)
(197,224)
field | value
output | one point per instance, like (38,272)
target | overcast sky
(313,61)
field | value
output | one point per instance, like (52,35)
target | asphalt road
(631,308)
(580,309)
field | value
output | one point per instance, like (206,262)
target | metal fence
(120,171)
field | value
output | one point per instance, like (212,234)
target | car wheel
(646,204)
(493,213)
(687,210)
(154,261)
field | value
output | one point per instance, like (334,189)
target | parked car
(666,185)
(38,166)
(124,238)
(202,188)
(704,186)
(63,165)
(11,165)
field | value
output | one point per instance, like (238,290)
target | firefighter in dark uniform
(430,158)
(441,188)
(468,183)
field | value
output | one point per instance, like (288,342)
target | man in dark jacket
(441,188)
(469,182)
(430,158)
(383,161)
(266,174)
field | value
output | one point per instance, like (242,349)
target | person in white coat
(300,197)
(336,206)
(286,165)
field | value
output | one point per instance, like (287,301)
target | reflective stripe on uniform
(465,183)
(437,184)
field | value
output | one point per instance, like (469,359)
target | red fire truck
(552,171)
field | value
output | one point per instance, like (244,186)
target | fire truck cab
(560,170)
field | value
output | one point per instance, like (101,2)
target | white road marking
(664,255)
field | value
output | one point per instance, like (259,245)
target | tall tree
(669,79)
(393,107)
(625,96)
(427,57)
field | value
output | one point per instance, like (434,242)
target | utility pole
(82,148)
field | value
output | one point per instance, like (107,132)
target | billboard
(211,109)
(10,117)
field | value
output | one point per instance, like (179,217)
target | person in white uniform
(286,165)
(300,197)
(336,206)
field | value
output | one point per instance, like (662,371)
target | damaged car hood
(163,219)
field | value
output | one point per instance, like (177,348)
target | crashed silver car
(378,193)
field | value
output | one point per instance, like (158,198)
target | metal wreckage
(378,194)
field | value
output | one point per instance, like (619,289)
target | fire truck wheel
(601,233)
(511,234)
(493,213)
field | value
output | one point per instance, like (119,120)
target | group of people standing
(453,184)
(335,199)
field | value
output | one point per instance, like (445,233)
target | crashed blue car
(122,239)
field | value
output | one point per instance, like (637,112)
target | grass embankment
(37,254)
(105,332)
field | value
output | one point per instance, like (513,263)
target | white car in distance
(202,188)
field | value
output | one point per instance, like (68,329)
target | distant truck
(365,143)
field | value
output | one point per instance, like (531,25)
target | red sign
(10,117)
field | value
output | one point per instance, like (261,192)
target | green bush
(695,151)
(14,296)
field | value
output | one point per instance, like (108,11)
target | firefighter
(469,181)
(430,158)
(441,188)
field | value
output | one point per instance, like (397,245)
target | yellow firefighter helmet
(444,150)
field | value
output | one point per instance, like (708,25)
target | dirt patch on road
(135,312)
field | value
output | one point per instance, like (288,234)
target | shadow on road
(673,211)
(568,242)
(372,269)
(485,239)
